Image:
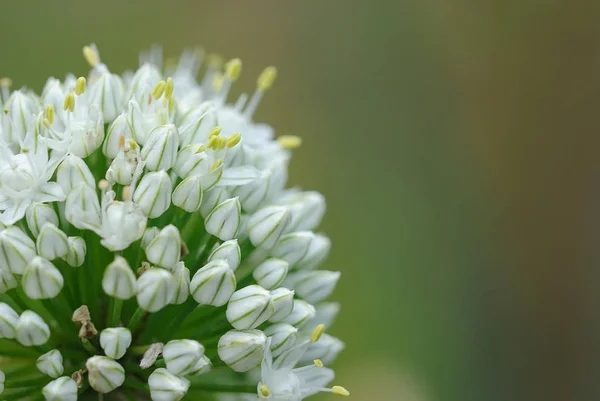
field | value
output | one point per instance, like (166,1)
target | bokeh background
(456,142)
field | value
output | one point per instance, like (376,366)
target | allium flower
(148,246)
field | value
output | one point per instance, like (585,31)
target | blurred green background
(456,143)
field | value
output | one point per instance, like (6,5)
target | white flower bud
(143,81)
(122,169)
(283,337)
(302,313)
(326,349)
(182,280)
(214,284)
(198,123)
(283,299)
(156,289)
(292,247)
(266,226)
(182,355)
(52,242)
(72,172)
(115,341)
(119,280)
(87,133)
(82,208)
(41,280)
(165,386)
(62,389)
(326,314)
(8,321)
(188,194)
(107,91)
(119,127)
(165,248)
(104,374)
(77,250)
(314,286)
(224,221)
(316,254)
(31,329)
(18,112)
(307,209)
(39,213)
(212,198)
(123,224)
(51,363)
(249,307)
(252,195)
(202,367)
(160,150)
(192,160)
(149,235)
(242,350)
(153,194)
(229,251)
(17,250)
(8,281)
(271,273)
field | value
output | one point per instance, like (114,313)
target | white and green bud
(213,284)
(104,374)
(271,273)
(31,329)
(266,226)
(76,252)
(165,248)
(314,286)
(283,299)
(153,194)
(160,150)
(307,209)
(181,356)
(182,280)
(316,254)
(165,386)
(37,215)
(292,247)
(41,279)
(107,92)
(302,313)
(149,234)
(8,281)
(249,307)
(211,199)
(18,112)
(192,160)
(202,367)
(118,127)
(242,350)
(224,220)
(155,289)
(115,341)
(17,250)
(229,251)
(72,172)
(82,208)
(62,389)
(188,194)
(283,337)
(51,363)
(119,281)
(8,321)
(52,242)
(326,349)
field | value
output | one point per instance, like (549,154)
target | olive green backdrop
(456,142)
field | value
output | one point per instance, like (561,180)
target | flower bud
(122,168)
(182,355)
(255,193)
(242,350)
(224,221)
(165,386)
(31,329)
(229,251)
(188,194)
(156,289)
(115,341)
(119,280)
(142,82)
(165,248)
(153,193)
(124,223)
(316,254)
(266,225)
(212,198)
(326,314)
(314,286)
(283,299)
(52,242)
(192,160)
(149,235)
(37,214)
(62,389)
(249,307)
(271,273)
(8,321)
(51,364)
(182,280)
(292,247)
(214,284)
(283,337)
(8,281)
(119,127)
(77,250)
(202,367)
(72,172)
(302,313)
(88,133)
(82,208)
(326,349)
(18,250)
(41,280)
(160,150)
(107,92)
(18,112)
(104,374)
(198,123)
(307,209)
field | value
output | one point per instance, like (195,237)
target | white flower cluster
(146,237)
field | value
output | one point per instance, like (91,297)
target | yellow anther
(290,141)
(90,55)
(318,363)
(317,333)
(103,185)
(234,140)
(49,113)
(266,79)
(233,69)
(215,131)
(69,102)
(213,142)
(159,89)
(80,86)
(216,165)
(264,390)
(169,88)
(218,82)
(214,60)
(5,82)
(201,149)
(171,104)
(339,390)
(132,144)
(46,123)
(126,192)
(121,141)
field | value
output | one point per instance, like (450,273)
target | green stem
(89,347)
(135,320)
(115,312)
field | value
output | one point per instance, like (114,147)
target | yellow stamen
(213,142)
(218,82)
(132,144)
(46,123)
(215,131)
(318,363)
(90,56)
(171,104)
(234,140)
(233,69)
(290,141)
(5,82)
(49,114)
(80,86)
(201,149)
(317,333)
(214,61)
(216,165)
(103,185)
(159,89)
(69,103)
(264,390)
(266,79)
(169,88)
(339,390)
